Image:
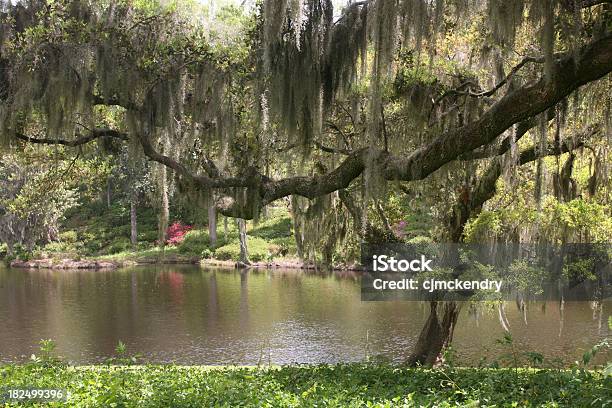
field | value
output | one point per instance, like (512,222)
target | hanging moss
(504,18)
(540,144)
(542,13)
(348,45)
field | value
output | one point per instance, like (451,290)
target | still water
(191,315)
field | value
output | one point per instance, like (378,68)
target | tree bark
(108,192)
(133,224)
(436,334)
(297,226)
(164,210)
(438,330)
(225,228)
(212,224)
(570,71)
(244,251)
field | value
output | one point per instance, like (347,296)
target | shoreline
(104,264)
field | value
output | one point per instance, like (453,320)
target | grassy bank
(352,385)
(98,232)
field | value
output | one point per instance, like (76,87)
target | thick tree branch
(593,62)
(569,73)
(521,129)
(79,141)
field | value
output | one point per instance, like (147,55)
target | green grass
(349,385)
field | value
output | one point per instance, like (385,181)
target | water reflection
(191,315)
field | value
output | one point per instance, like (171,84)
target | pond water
(191,315)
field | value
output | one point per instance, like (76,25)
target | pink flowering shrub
(175,234)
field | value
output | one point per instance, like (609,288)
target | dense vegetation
(350,385)
(100,232)
(382,120)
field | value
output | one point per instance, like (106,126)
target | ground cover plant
(346,385)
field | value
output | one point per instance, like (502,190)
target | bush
(194,242)
(176,233)
(228,252)
(22,253)
(59,246)
(207,253)
(148,236)
(285,246)
(69,237)
(120,231)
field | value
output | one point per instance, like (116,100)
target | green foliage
(195,241)
(207,253)
(47,357)
(259,250)
(69,237)
(122,357)
(526,278)
(487,223)
(346,385)
(583,219)
(278,226)
(119,244)
(578,220)
(94,229)
(21,252)
(589,354)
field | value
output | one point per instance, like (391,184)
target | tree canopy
(301,99)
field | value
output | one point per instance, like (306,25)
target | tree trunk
(297,226)
(109,188)
(244,252)
(133,224)
(225,228)
(165,209)
(436,334)
(212,224)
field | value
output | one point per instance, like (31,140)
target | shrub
(286,246)
(207,253)
(228,252)
(68,237)
(148,236)
(22,253)
(57,247)
(176,233)
(193,242)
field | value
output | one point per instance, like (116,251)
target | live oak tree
(332,108)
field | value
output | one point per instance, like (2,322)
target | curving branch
(79,141)
(521,129)
(518,107)
(467,84)
(569,73)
